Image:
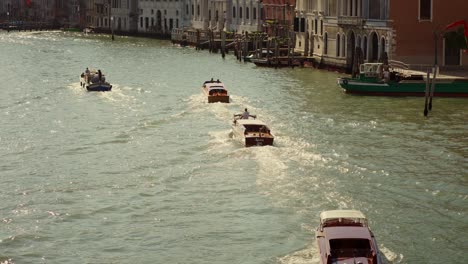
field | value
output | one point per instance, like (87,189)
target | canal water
(150,172)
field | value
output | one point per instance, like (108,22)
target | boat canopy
(347,232)
(370,69)
(334,217)
(251,122)
(217,86)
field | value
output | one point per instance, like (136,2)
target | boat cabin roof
(342,217)
(347,232)
(367,68)
(215,85)
(251,122)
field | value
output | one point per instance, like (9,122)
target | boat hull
(95,87)
(443,88)
(98,87)
(258,139)
(218,98)
(250,139)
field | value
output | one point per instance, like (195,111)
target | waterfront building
(108,15)
(329,31)
(420,33)
(5,10)
(278,16)
(161,16)
(98,14)
(229,15)
(76,13)
(124,15)
(247,15)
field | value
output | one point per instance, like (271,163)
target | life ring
(345,82)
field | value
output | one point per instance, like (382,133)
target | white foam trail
(308,255)
(390,256)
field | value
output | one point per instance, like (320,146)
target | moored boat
(252,132)
(344,237)
(377,79)
(94,81)
(215,91)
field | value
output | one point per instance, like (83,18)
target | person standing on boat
(245,115)
(100,75)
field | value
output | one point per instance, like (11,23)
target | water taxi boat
(377,79)
(252,132)
(344,237)
(94,81)
(215,91)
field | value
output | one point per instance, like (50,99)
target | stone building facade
(329,31)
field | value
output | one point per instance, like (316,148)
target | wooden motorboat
(344,237)
(94,81)
(215,91)
(252,132)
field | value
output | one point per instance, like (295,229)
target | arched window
(192,10)
(198,10)
(321,27)
(186,9)
(325,44)
(343,46)
(254,13)
(316,27)
(364,47)
(240,12)
(382,47)
(247,16)
(233,12)
(338,39)
(209,15)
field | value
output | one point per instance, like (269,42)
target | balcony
(351,21)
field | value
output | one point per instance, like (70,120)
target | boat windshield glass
(218,92)
(350,247)
(256,129)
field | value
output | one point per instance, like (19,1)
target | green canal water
(150,172)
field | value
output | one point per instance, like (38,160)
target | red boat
(344,237)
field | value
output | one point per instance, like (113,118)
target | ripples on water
(151,173)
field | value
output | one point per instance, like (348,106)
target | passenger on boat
(245,115)
(386,74)
(87,71)
(94,78)
(100,75)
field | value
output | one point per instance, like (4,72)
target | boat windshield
(218,92)
(256,129)
(348,248)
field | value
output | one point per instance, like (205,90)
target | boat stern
(259,139)
(218,98)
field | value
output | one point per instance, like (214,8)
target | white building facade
(333,29)
(161,16)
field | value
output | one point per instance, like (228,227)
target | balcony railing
(351,21)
